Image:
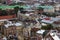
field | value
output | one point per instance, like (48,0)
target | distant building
(2,1)
(31,1)
(57,7)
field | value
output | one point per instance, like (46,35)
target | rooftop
(55,35)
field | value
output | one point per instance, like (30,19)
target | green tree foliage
(48,27)
(16,9)
(40,8)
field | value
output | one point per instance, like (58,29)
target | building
(56,24)
(2,1)
(53,35)
(57,7)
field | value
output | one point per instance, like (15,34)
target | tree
(48,27)
(40,9)
(16,9)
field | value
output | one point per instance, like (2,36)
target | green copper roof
(11,7)
(46,7)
